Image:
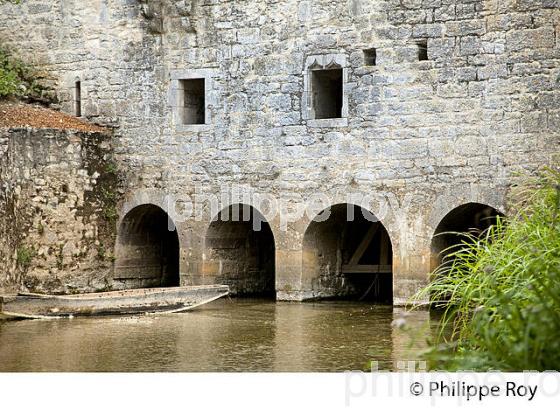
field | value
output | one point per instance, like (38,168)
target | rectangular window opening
(370,57)
(422,50)
(78,98)
(327,93)
(192,101)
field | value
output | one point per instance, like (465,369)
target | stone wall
(57,210)
(238,256)
(427,136)
(147,252)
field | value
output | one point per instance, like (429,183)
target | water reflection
(228,335)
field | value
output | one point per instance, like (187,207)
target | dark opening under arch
(240,252)
(473,217)
(147,250)
(348,255)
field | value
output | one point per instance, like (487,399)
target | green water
(226,335)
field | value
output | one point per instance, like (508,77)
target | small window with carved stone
(327,93)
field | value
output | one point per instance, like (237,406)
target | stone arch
(347,253)
(471,217)
(147,249)
(239,251)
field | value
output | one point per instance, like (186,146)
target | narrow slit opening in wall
(422,50)
(327,93)
(192,104)
(78,98)
(370,57)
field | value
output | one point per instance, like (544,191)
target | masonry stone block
(481,108)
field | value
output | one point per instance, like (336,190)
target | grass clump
(502,290)
(24,257)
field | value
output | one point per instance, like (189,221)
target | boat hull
(125,302)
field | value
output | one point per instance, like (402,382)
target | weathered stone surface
(57,210)
(436,133)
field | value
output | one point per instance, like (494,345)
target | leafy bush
(9,82)
(503,290)
(18,79)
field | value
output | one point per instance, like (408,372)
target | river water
(226,335)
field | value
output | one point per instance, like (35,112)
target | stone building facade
(415,110)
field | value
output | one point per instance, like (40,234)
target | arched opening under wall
(474,218)
(147,250)
(347,254)
(240,252)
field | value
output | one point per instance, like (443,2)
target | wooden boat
(123,302)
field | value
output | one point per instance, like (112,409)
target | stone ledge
(328,123)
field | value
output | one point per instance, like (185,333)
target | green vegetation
(101,253)
(24,257)
(17,79)
(110,213)
(9,80)
(12,75)
(109,209)
(111,168)
(503,290)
